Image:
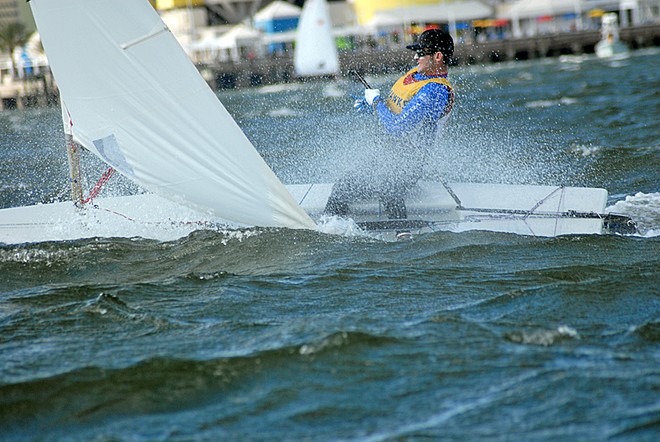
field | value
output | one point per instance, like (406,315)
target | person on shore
(417,105)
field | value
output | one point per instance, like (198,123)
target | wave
(650,331)
(543,337)
(284,112)
(208,255)
(644,209)
(279,88)
(157,384)
(333,91)
(564,101)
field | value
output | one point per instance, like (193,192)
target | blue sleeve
(427,105)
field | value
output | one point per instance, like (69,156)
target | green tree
(12,36)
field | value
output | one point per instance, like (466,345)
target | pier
(279,69)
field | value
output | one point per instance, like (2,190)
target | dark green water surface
(267,334)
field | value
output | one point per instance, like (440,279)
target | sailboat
(315,53)
(131,96)
(610,45)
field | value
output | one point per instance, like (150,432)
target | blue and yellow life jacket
(407,86)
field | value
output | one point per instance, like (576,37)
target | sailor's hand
(361,106)
(371,95)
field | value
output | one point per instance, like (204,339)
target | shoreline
(274,70)
(41,91)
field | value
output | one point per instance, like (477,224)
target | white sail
(138,102)
(315,52)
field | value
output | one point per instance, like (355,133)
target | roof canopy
(277,9)
(237,36)
(441,13)
(539,8)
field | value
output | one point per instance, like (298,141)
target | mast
(73,156)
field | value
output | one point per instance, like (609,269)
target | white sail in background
(315,52)
(138,102)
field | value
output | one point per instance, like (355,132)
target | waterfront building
(382,24)
(278,21)
(228,38)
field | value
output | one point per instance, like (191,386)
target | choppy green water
(281,335)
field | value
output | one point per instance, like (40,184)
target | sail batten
(139,103)
(139,40)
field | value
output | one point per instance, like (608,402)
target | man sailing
(418,104)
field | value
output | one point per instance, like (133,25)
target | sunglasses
(424,52)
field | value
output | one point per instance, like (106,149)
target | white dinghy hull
(458,207)
(137,216)
(545,211)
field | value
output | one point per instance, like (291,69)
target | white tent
(530,10)
(238,42)
(450,13)
(385,19)
(277,9)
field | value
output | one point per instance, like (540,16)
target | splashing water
(644,208)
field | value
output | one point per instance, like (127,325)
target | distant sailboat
(316,51)
(609,44)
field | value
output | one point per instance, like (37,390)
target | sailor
(409,117)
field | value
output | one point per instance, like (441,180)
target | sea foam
(644,209)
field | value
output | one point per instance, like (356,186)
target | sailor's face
(425,63)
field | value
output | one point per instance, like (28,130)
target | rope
(99,185)
(543,200)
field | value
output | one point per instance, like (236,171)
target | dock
(279,69)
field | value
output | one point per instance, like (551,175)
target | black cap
(437,40)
